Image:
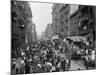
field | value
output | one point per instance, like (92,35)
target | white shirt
(93,55)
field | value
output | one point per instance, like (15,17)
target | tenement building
(74,20)
(87,25)
(61,19)
(21,24)
(49,31)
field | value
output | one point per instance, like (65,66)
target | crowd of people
(37,58)
(43,56)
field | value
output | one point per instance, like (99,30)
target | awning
(55,37)
(77,38)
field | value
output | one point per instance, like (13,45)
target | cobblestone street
(75,64)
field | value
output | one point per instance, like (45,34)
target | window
(62,22)
(66,12)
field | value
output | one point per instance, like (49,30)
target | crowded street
(43,57)
(53,39)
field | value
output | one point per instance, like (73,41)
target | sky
(42,15)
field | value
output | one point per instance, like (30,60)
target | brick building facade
(61,19)
(49,31)
(75,20)
(21,23)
